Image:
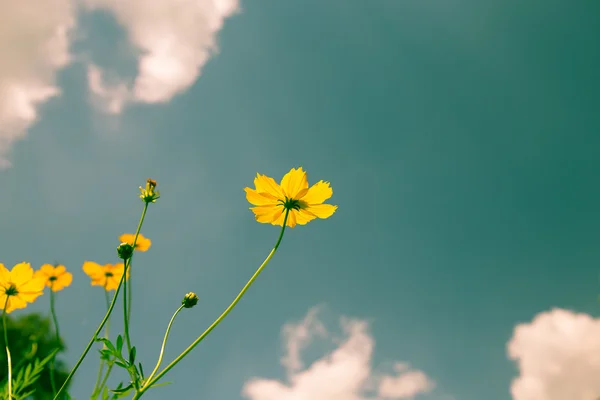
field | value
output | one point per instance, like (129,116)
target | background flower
(142,244)
(107,276)
(56,277)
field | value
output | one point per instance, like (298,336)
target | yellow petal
(266,214)
(21,273)
(59,270)
(93,269)
(293,182)
(303,217)
(291,221)
(127,238)
(260,198)
(278,218)
(318,193)
(4,275)
(47,270)
(35,285)
(15,303)
(322,210)
(62,282)
(143,243)
(265,184)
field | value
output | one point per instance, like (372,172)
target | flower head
(149,194)
(142,243)
(55,276)
(19,286)
(190,300)
(125,251)
(305,204)
(107,276)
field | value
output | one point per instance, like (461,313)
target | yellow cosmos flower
(305,204)
(19,286)
(107,276)
(56,277)
(142,244)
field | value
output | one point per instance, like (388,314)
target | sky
(461,140)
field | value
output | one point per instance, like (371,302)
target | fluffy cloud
(558,355)
(34,43)
(176,38)
(344,374)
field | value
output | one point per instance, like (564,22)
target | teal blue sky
(462,142)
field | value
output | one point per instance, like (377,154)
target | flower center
(108,274)
(290,204)
(52,278)
(11,290)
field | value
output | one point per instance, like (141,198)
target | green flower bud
(125,251)
(190,300)
(149,194)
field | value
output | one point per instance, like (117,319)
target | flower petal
(47,270)
(21,273)
(293,182)
(93,269)
(291,221)
(4,276)
(265,184)
(266,214)
(303,217)
(260,198)
(322,210)
(59,270)
(62,282)
(318,193)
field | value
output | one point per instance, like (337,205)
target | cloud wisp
(343,374)
(173,38)
(34,43)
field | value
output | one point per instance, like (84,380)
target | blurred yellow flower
(305,204)
(142,244)
(19,286)
(107,276)
(56,277)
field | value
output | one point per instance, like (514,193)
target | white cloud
(558,355)
(176,38)
(344,374)
(34,44)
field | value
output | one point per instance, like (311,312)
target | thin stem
(125,317)
(103,383)
(164,343)
(57,333)
(218,320)
(7,350)
(110,308)
(97,389)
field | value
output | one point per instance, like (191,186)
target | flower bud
(125,251)
(149,194)
(190,300)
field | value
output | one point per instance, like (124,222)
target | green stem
(125,318)
(164,343)
(57,333)
(97,389)
(218,320)
(7,350)
(105,319)
(103,383)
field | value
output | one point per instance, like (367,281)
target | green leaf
(160,384)
(141,370)
(121,390)
(132,356)
(108,344)
(122,364)
(119,343)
